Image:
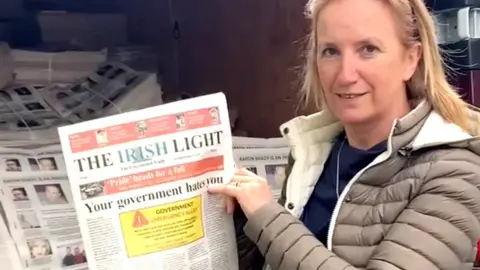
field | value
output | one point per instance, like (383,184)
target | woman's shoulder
(450,156)
(439,142)
(446,172)
(446,162)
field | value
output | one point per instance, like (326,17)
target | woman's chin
(352,118)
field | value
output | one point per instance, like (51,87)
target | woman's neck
(366,135)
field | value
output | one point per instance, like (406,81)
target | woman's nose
(347,73)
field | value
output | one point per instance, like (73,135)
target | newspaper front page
(139,182)
(39,208)
(269,163)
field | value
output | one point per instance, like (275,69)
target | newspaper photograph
(269,163)
(40,210)
(139,183)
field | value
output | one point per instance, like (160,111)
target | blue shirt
(319,208)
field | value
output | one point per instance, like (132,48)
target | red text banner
(163,175)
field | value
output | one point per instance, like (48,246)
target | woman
(387,176)
(39,248)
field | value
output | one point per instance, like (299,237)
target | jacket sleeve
(249,257)
(438,229)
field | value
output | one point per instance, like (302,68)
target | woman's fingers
(230,204)
(251,192)
(245,172)
(242,187)
(241,179)
(229,190)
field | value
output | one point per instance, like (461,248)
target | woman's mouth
(350,96)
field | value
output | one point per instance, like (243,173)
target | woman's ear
(412,58)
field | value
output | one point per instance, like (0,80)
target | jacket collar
(422,127)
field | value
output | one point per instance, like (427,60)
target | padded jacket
(416,206)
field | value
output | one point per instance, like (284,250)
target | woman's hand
(250,190)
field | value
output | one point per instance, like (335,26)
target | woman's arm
(249,256)
(437,230)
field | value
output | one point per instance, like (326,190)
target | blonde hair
(428,81)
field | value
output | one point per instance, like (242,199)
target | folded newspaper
(267,158)
(139,185)
(269,163)
(39,209)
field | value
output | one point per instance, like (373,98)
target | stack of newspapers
(38,67)
(129,191)
(32,113)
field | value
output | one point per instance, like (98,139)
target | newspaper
(34,112)
(55,67)
(249,142)
(96,95)
(92,94)
(39,208)
(139,181)
(22,106)
(25,116)
(269,163)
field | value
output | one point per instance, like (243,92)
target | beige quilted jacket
(417,206)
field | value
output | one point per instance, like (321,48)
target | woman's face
(361,62)
(39,248)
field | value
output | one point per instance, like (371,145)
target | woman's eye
(329,52)
(369,49)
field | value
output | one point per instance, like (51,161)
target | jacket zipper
(381,158)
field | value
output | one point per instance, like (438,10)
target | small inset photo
(51,194)
(12,165)
(73,254)
(28,220)
(43,164)
(47,164)
(102,136)
(19,194)
(91,190)
(28,123)
(214,114)
(142,127)
(180,121)
(275,175)
(34,106)
(39,248)
(23,91)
